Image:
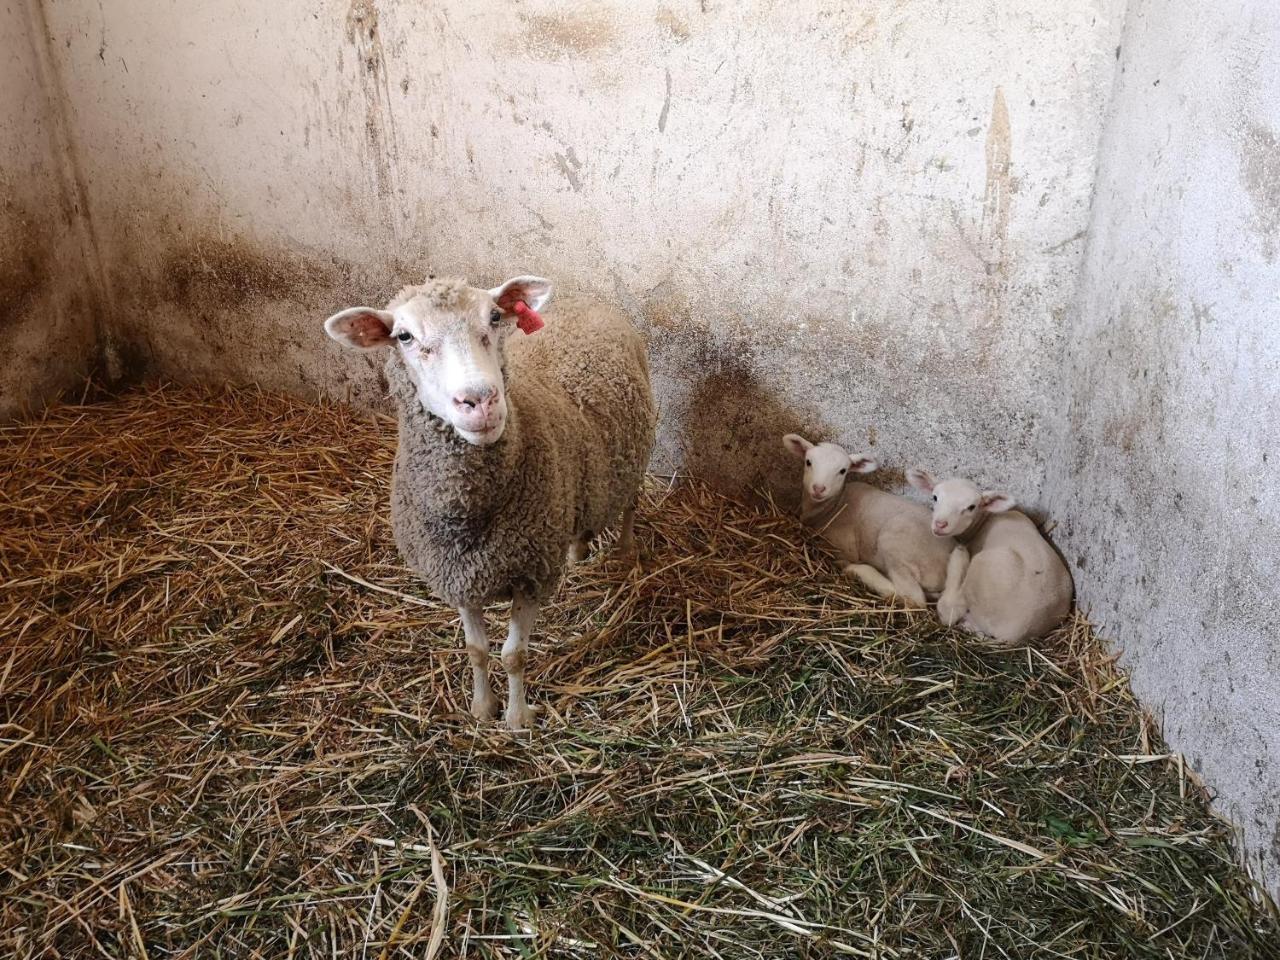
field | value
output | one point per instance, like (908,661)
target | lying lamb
(878,533)
(1004,580)
(513,449)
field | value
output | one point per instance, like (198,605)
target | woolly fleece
(479,522)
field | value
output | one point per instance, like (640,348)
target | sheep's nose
(469,400)
(819,489)
(940,526)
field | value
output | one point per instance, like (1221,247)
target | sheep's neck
(469,481)
(820,515)
(968,536)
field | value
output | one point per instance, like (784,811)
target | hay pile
(234,727)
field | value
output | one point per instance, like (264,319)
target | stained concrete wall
(1171,441)
(48,340)
(861,219)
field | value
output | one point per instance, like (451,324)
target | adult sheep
(514,448)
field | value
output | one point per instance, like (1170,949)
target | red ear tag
(527,318)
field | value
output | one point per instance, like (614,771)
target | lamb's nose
(941,526)
(819,490)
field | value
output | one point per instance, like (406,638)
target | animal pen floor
(234,726)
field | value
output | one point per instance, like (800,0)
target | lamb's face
(957,503)
(451,338)
(827,466)
(455,358)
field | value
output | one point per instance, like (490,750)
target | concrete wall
(48,340)
(1172,443)
(863,219)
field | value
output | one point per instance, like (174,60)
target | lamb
(885,538)
(1004,580)
(514,449)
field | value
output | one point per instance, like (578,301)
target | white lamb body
(884,538)
(1004,580)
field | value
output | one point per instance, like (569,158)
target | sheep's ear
(861,464)
(921,479)
(361,328)
(996,501)
(796,444)
(535,291)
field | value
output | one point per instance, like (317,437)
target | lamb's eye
(973,506)
(808,463)
(935,498)
(495,316)
(404,336)
(842,471)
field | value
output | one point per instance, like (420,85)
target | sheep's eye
(404,336)
(843,471)
(973,506)
(495,315)
(935,498)
(808,463)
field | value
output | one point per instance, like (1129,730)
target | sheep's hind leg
(627,532)
(870,577)
(580,547)
(908,588)
(484,705)
(514,654)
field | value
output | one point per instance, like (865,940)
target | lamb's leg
(907,587)
(514,652)
(484,705)
(951,605)
(872,578)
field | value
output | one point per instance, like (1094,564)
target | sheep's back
(592,354)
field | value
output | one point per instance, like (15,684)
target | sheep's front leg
(514,653)
(484,705)
(951,605)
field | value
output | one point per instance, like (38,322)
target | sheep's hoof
(519,717)
(950,609)
(484,708)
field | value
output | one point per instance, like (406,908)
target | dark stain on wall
(575,34)
(1260,166)
(227,296)
(25,255)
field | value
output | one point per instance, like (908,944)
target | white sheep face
(452,340)
(957,503)
(827,466)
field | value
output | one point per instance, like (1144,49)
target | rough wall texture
(861,219)
(47,328)
(1171,444)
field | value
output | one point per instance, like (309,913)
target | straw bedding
(234,726)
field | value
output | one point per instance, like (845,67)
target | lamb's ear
(921,479)
(361,328)
(861,463)
(796,444)
(535,291)
(996,501)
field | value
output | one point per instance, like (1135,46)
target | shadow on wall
(731,422)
